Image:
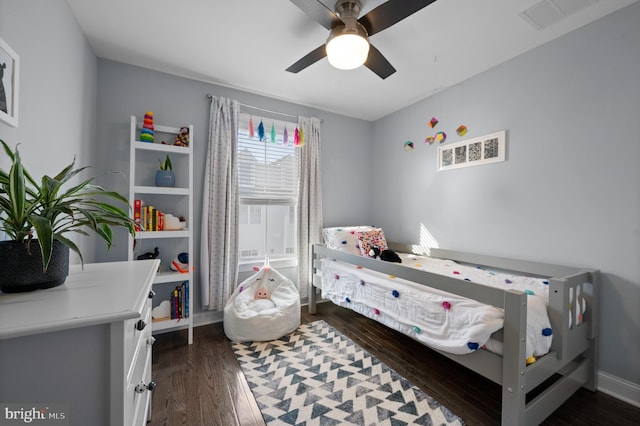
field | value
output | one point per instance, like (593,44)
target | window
(268,186)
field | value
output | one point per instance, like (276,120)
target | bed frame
(571,360)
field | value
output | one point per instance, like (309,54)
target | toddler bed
(420,301)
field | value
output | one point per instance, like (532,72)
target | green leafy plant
(53,210)
(166,164)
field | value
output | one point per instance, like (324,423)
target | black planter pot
(22,272)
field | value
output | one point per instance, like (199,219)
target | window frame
(266,198)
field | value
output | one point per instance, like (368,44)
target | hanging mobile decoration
(261,131)
(273,133)
(441,137)
(408,146)
(296,138)
(462,129)
(285,136)
(252,133)
(429,140)
(301,138)
(434,121)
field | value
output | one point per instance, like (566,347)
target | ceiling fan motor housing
(348,43)
(348,11)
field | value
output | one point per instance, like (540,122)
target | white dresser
(81,352)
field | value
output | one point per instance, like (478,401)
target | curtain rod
(210,97)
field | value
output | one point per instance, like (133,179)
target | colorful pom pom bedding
(441,320)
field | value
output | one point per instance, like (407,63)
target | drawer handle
(141,387)
(151,294)
(140,325)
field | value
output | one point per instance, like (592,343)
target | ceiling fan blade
(309,59)
(390,13)
(377,63)
(319,12)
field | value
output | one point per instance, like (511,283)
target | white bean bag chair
(249,319)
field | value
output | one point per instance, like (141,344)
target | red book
(137,214)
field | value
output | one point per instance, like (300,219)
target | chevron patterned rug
(317,376)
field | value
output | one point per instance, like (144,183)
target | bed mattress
(441,320)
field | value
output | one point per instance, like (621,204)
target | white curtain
(309,208)
(219,248)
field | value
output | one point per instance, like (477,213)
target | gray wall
(125,90)
(57,92)
(569,190)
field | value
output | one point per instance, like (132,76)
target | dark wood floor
(202,384)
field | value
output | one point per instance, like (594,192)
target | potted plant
(165,176)
(38,217)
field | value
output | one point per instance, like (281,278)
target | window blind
(267,169)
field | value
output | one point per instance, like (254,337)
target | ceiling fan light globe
(347,51)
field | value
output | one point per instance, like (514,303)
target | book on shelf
(180,301)
(137,214)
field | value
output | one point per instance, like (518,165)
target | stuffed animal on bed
(386,255)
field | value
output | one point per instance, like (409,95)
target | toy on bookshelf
(147,131)
(180,263)
(182,138)
(172,223)
(150,255)
(162,311)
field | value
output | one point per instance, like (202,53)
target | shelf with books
(173,309)
(143,235)
(165,214)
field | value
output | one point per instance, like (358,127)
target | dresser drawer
(133,337)
(139,388)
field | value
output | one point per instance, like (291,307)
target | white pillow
(344,238)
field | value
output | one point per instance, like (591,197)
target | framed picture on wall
(473,152)
(9,76)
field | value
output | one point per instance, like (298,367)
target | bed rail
(567,297)
(573,350)
(481,293)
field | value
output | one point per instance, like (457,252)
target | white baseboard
(207,317)
(619,388)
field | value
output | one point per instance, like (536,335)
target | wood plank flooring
(202,384)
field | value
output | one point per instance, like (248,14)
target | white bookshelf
(177,201)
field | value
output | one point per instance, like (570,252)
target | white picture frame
(486,149)
(9,87)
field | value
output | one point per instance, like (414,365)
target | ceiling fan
(348,44)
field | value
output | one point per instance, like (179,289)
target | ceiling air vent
(548,12)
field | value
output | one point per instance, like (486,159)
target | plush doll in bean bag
(386,255)
(261,300)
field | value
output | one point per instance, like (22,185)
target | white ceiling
(248,45)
